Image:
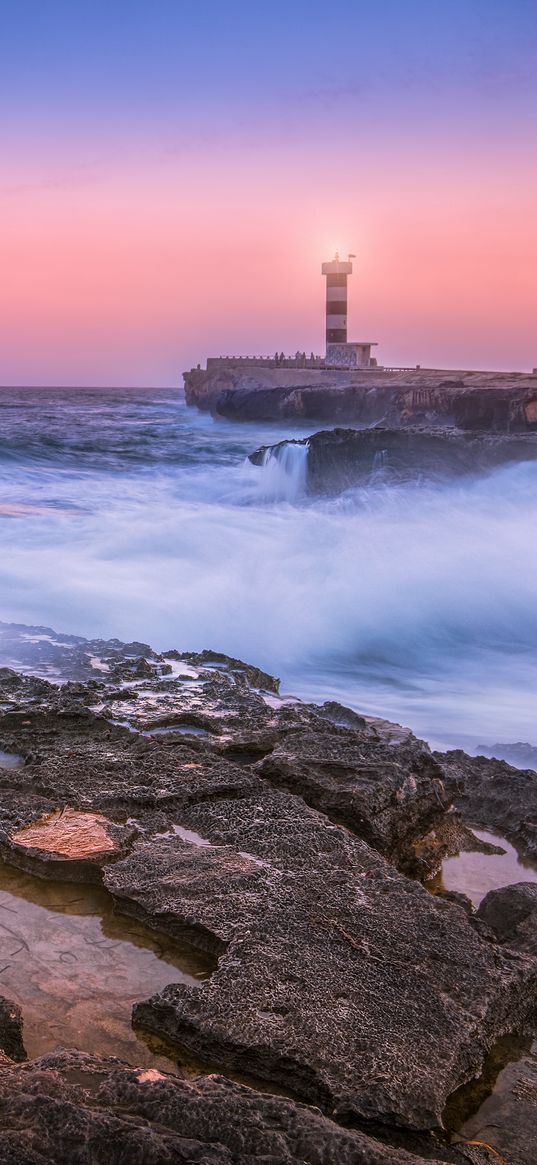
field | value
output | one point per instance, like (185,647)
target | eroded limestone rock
(493,794)
(11,1025)
(69,1107)
(274,842)
(511,913)
(66,843)
(389,796)
(342,980)
(494,401)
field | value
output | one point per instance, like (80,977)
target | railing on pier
(300,360)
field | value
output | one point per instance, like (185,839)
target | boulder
(511,913)
(493,794)
(390,796)
(341,458)
(69,1107)
(11,1024)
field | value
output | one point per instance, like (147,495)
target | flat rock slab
(389,796)
(70,1107)
(68,833)
(66,843)
(341,980)
(264,841)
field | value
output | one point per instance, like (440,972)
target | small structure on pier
(339,352)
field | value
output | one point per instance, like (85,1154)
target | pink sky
(131,267)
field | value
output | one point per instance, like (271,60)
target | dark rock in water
(69,1107)
(511,913)
(254,675)
(341,458)
(11,1024)
(457,899)
(493,794)
(51,654)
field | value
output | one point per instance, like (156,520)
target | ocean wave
(416,601)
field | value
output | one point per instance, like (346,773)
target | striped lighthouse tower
(336,299)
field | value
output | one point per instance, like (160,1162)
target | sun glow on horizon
(176,226)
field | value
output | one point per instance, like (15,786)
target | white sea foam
(413,602)
(283,473)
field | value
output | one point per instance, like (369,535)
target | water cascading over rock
(285,471)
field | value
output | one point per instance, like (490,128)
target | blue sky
(131,59)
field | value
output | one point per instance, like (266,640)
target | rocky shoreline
(338,459)
(472,401)
(344,1005)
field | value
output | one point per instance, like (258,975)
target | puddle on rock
(480,1110)
(162,730)
(196,839)
(187,835)
(182,729)
(474,874)
(465,1104)
(10,760)
(495,1121)
(76,968)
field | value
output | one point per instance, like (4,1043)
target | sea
(125,514)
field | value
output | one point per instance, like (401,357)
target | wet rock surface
(68,841)
(391,797)
(11,1025)
(64,657)
(341,458)
(71,1107)
(504,1126)
(511,913)
(344,972)
(495,795)
(274,837)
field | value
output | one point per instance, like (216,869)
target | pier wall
(481,401)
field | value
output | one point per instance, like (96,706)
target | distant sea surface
(123,513)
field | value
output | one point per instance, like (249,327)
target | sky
(173,174)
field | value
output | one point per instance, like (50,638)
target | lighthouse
(337,274)
(339,352)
